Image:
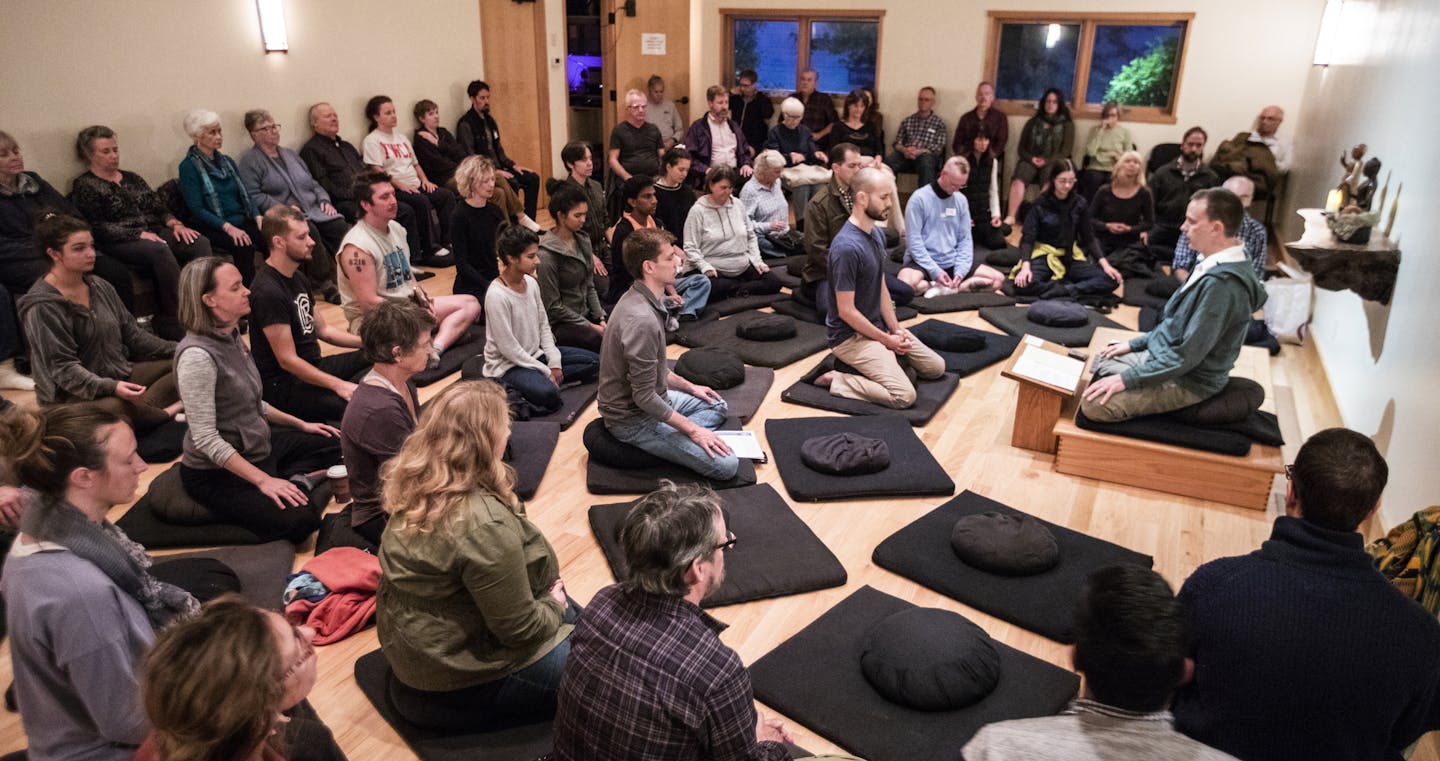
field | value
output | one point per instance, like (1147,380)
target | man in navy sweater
(1302,649)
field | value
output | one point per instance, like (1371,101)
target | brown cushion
(1235,402)
(170,502)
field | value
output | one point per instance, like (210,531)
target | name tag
(950,212)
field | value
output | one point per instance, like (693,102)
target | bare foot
(824,380)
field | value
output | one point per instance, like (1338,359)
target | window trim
(728,17)
(1079,109)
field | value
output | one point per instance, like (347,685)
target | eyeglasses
(306,650)
(729,543)
(1290,472)
(268,128)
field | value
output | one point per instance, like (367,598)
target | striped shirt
(765,205)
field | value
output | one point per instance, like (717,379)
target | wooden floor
(970,437)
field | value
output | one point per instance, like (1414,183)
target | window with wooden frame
(843,47)
(1136,59)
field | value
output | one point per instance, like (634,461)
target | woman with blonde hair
(471,612)
(475,227)
(1123,210)
(215,688)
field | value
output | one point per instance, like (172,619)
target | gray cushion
(604,448)
(716,367)
(767,327)
(845,454)
(1235,402)
(1008,544)
(1057,314)
(930,659)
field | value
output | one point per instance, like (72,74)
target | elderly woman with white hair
(805,164)
(210,182)
(765,205)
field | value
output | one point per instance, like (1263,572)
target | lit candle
(1332,201)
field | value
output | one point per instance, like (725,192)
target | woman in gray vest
(233,463)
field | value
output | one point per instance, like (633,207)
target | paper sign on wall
(652,44)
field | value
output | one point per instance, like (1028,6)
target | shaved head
(867,180)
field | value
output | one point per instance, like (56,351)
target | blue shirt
(937,232)
(856,265)
(1252,234)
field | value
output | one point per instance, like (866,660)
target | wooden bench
(1242,481)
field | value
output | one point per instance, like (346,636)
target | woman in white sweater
(720,241)
(520,351)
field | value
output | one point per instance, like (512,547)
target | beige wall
(139,66)
(1383,363)
(1226,81)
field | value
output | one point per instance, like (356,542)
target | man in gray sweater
(1187,358)
(641,402)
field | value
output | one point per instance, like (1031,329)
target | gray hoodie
(78,354)
(720,238)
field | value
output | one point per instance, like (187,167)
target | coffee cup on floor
(339,483)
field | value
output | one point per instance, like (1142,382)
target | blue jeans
(576,364)
(668,443)
(524,697)
(695,289)
(926,166)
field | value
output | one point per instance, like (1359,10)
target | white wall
(1383,363)
(1233,67)
(140,65)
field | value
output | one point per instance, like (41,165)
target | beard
(880,214)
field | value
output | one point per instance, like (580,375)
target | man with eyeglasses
(1302,649)
(751,108)
(648,677)
(661,112)
(635,144)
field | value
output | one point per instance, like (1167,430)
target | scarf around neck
(109,549)
(221,167)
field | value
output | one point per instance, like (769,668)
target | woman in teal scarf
(1048,137)
(210,182)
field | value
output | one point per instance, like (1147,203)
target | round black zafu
(1164,287)
(713,366)
(1235,402)
(1004,544)
(605,449)
(1057,314)
(766,327)
(930,660)
(955,343)
(845,454)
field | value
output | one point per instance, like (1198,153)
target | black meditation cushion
(712,366)
(845,454)
(1007,544)
(1235,402)
(952,341)
(767,327)
(1057,313)
(930,659)
(605,449)
(172,504)
(1162,287)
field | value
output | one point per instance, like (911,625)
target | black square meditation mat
(930,396)
(605,479)
(1231,439)
(960,302)
(527,743)
(1012,320)
(913,471)
(998,346)
(775,553)
(573,401)
(1043,603)
(471,344)
(738,304)
(809,338)
(263,570)
(807,313)
(532,443)
(744,400)
(815,678)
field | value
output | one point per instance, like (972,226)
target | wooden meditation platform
(1242,481)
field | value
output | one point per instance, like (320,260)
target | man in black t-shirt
(286,331)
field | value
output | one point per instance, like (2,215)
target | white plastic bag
(1287,310)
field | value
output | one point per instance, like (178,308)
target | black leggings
(747,283)
(235,500)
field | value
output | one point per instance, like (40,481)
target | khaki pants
(1134,402)
(882,378)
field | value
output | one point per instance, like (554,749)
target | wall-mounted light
(1052,35)
(1329,32)
(272,25)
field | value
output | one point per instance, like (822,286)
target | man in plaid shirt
(647,677)
(1252,234)
(920,141)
